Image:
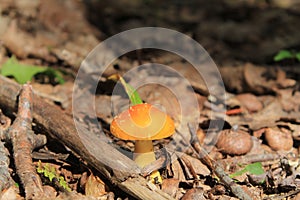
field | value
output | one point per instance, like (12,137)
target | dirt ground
(242,146)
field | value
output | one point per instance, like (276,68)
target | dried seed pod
(234,142)
(278,140)
(250,102)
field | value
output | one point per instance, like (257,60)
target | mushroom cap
(142,122)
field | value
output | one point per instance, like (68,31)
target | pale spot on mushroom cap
(142,122)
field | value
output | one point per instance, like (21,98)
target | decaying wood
(217,169)
(22,147)
(60,126)
(5,178)
(143,189)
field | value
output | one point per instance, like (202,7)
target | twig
(188,164)
(22,147)
(163,160)
(217,169)
(247,159)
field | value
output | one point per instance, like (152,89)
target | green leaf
(51,173)
(282,55)
(23,73)
(131,92)
(254,168)
(64,184)
(297,56)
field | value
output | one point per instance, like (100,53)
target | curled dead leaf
(279,140)
(94,186)
(234,142)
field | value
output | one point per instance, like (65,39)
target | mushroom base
(143,152)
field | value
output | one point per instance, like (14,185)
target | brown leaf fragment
(170,186)
(94,186)
(250,102)
(10,193)
(279,140)
(234,142)
(22,44)
(256,179)
(195,166)
(289,100)
(255,79)
(282,81)
(177,171)
(194,194)
(218,190)
(49,192)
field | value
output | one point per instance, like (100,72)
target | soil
(243,145)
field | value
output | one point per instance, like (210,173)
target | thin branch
(22,147)
(247,159)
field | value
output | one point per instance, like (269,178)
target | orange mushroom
(143,123)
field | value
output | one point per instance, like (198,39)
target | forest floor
(242,142)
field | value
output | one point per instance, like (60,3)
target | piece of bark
(22,147)
(5,178)
(61,126)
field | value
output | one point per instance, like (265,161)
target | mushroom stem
(144,155)
(143,152)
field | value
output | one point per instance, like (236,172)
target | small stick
(22,147)
(189,166)
(247,159)
(162,161)
(217,169)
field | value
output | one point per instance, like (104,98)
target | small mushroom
(234,142)
(143,123)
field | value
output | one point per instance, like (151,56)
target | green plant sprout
(254,168)
(285,54)
(131,92)
(23,73)
(51,173)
